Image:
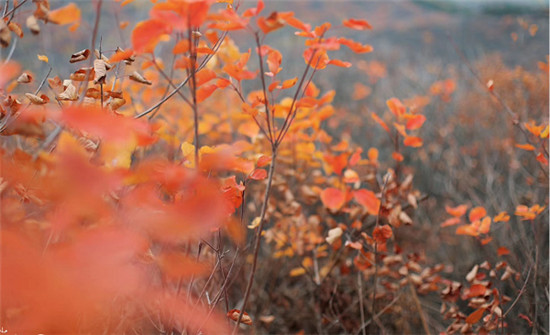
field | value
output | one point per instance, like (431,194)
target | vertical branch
(258,236)
(262,77)
(193,89)
(361,307)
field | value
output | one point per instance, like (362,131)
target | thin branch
(184,82)
(258,236)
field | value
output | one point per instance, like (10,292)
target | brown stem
(258,236)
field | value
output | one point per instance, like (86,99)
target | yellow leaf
(297,272)
(43,58)
(255,223)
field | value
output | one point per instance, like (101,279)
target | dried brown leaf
(80,56)
(135,76)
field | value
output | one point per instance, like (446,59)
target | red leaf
(380,121)
(382,233)
(416,122)
(476,290)
(475,316)
(258,174)
(147,34)
(502,251)
(333,198)
(413,141)
(234,315)
(369,200)
(477,213)
(357,24)
(457,211)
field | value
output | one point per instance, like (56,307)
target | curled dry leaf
(80,56)
(37,100)
(80,75)
(24,78)
(108,65)
(5,34)
(16,28)
(116,103)
(334,234)
(100,71)
(135,76)
(234,315)
(93,93)
(32,24)
(70,92)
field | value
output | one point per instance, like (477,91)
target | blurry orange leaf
(416,122)
(477,213)
(65,15)
(205,91)
(475,316)
(476,290)
(297,272)
(368,200)
(258,174)
(357,24)
(43,58)
(502,217)
(413,141)
(123,55)
(333,198)
(467,230)
(234,315)
(396,106)
(527,147)
(289,83)
(502,251)
(147,34)
(382,233)
(340,63)
(397,156)
(457,211)
(450,222)
(380,121)
(526,318)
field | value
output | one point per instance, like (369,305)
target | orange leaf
(477,213)
(333,198)
(118,56)
(181,47)
(413,141)
(396,107)
(450,222)
(380,121)
(457,211)
(289,83)
(502,217)
(475,316)
(147,34)
(397,156)
(502,251)
(205,91)
(337,62)
(234,315)
(357,24)
(368,199)
(65,15)
(382,233)
(258,174)
(527,147)
(416,122)
(476,290)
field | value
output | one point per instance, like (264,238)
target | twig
(184,82)
(521,291)
(377,315)
(419,307)
(361,307)
(258,236)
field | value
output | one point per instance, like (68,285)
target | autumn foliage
(182,180)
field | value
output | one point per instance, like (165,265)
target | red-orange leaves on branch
(396,107)
(355,46)
(333,198)
(147,34)
(357,24)
(477,213)
(368,200)
(382,233)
